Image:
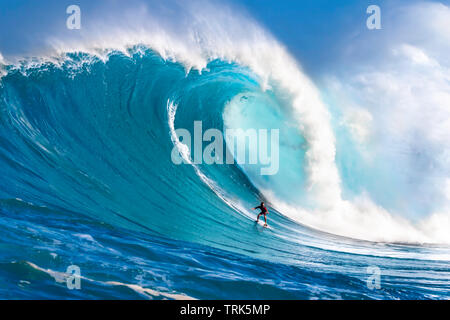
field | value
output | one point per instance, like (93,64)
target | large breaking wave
(90,127)
(102,97)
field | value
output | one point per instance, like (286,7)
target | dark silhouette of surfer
(264,211)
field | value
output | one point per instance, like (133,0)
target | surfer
(264,211)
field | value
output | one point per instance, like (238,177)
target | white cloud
(414,55)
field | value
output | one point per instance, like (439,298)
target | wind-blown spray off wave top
(86,138)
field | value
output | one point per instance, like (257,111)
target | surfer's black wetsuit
(262,208)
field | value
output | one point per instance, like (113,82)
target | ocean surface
(87,180)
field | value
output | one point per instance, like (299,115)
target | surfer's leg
(265,220)
(257,219)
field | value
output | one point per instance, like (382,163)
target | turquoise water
(87,180)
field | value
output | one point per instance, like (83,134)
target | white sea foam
(3,63)
(61,277)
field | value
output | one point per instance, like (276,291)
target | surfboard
(261,223)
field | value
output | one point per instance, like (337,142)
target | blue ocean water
(87,180)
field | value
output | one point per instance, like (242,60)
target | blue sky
(312,30)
